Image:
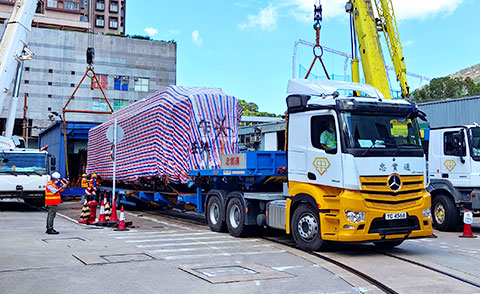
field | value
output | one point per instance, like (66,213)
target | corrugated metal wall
(452,112)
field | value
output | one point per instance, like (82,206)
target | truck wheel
(388,244)
(445,214)
(306,228)
(215,215)
(236,218)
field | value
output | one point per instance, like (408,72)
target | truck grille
(378,194)
(393,227)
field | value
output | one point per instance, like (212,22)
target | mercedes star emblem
(394,182)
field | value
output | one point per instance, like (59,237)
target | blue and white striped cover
(163,135)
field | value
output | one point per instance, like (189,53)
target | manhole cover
(127,257)
(63,239)
(235,273)
(224,271)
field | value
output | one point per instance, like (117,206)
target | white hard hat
(56,175)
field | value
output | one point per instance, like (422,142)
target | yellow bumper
(336,227)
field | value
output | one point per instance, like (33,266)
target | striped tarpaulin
(167,134)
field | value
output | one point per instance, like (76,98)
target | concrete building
(99,16)
(128,69)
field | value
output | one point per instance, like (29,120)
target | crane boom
(367,27)
(12,47)
(369,46)
(389,27)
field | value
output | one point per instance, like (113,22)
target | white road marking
(165,235)
(176,257)
(444,247)
(161,222)
(284,268)
(194,243)
(180,239)
(134,233)
(203,248)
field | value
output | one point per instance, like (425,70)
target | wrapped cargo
(167,134)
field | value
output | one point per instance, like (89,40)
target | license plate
(397,215)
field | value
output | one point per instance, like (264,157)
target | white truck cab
(454,168)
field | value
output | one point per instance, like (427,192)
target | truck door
(455,166)
(324,161)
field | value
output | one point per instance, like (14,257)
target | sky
(246,47)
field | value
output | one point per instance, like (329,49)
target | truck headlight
(355,216)
(427,213)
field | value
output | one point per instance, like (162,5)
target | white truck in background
(454,168)
(24,172)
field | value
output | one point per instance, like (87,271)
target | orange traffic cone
(467,225)
(114,212)
(121,224)
(101,218)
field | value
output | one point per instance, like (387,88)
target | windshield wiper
(9,172)
(23,172)
(35,172)
(404,145)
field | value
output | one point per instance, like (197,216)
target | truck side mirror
(459,145)
(53,163)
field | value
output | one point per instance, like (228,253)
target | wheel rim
(214,213)
(234,216)
(307,227)
(439,213)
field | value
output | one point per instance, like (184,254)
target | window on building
(100,21)
(120,83)
(113,6)
(141,84)
(100,5)
(52,3)
(449,144)
(103,79)
(119,103)
(50,83)
(27,68)
(40,7)
(26,81)
(71,5)
(49,96)
(113,23)
(50,70)
(72,72)
(83,18)
(99,104)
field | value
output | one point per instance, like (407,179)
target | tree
(447,87)
(251,109)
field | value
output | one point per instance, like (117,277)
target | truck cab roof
(338,94)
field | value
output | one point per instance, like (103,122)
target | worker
(93,180)
(84,182)
(327,138)
(52,199)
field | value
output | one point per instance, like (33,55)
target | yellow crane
(364,29)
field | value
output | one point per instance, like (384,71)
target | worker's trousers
(52,211)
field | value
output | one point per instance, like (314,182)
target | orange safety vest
(50,198)
(84,183)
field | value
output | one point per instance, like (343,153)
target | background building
(100,16)
(128,69)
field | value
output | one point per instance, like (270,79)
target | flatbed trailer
(252,171)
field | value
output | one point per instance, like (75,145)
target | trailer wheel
(388,244)
(215,215)
(445,214)
(306,228)
(236,218)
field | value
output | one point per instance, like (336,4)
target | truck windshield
(475,143)
(23,163)
(366,133)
